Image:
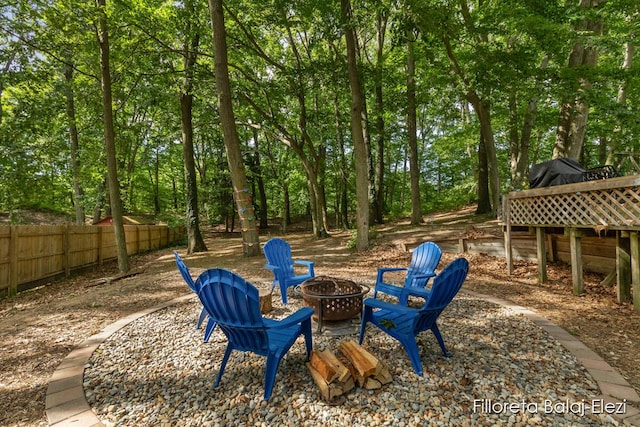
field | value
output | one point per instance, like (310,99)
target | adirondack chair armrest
(383,270)
(271,267)
(387,288)
(376,303)
(308,264)
(298,317)
(415,292)
(302,262)
(278,273)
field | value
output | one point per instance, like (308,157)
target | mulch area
(40,327)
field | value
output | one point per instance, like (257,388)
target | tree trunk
(262,195)
(364,123)
(378,181)
(100,201)
(484,201)
(412,137)
(156,184)
(250,237)
(286,208)
(109,140)
(195,241)
(403,194)
(486,134)
(520,145)
(74,144)
(313,163)
(359,146)
(621,100)
(343,213)
(572,122)
(481,108)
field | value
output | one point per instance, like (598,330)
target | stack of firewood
(336,376)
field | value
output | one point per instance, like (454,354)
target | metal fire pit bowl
(332,299)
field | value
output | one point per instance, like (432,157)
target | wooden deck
(586,208)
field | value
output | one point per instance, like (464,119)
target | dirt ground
(40,327)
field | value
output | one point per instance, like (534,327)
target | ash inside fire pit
(333,298)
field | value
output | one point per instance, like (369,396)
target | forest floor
(40,327)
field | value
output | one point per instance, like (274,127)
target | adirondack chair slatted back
(186,275)
(424,260)
(445,287)
(184,271)
(405,323)
(279,261)
(234,304)
(278,253)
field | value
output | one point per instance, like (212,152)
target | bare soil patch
(40,327)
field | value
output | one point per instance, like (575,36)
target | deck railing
(601,205)
(609,203)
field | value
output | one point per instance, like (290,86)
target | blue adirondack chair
(280,262)
(424,261)
(405,323)
(186,275)
(234,305)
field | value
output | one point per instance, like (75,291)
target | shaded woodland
(347,113)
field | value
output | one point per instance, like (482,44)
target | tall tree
(382,18)
(102,32)
(74,144)
(262,194)
(195,242)
(360,154)
(572,122)
(412,133)
(621,99)
(243,200)
(520,141)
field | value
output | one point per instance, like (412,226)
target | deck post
(623,266)
(507,235)
(575,244)
(635,269)
(541,251)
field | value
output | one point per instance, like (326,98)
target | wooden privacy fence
(32,253)
(582,209)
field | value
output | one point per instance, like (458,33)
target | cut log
(372,384)
(341,370)
(327,391)
(368,371)
(384,376)
(325,367)
(365,363)
(353,372)
(332,377)
(336,376)
(349,384)
(264,295)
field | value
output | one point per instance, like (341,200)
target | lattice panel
(608,207)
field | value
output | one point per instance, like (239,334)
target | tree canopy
(483,89)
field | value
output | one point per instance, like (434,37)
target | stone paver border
(66,404)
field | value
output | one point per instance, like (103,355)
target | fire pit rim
(326,306)
(302,288)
